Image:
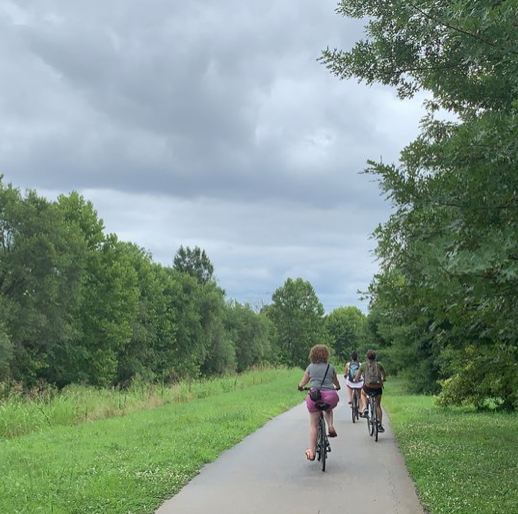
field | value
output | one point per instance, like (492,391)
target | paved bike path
(268,473)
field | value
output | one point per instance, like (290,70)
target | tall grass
(23,412)
(130,464)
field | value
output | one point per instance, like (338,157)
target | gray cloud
(209,124)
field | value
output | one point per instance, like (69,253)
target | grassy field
(129,464)
(24,412)
(461,461)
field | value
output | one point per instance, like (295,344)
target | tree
(41,265)
(346,327)
(298,317)
(448,287)
(194,262)
(252,335)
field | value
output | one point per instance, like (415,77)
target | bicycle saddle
(322,405)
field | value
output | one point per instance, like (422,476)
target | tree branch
(458,29)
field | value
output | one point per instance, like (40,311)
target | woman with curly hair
(323,376)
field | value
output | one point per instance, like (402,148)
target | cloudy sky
(205,123)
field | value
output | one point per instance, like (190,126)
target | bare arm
(305,380)
(346,370)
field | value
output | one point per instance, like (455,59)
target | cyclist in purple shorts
(323,376)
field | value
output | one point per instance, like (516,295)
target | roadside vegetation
(444,303)
(130,464)
(460,460)
(23,412)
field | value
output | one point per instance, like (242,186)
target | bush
(486,376)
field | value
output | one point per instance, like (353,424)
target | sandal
(309,453)
(332,432)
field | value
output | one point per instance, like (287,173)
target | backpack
(353,370)
(372,374)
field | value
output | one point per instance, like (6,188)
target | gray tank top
(316,373)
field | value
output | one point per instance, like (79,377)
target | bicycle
(323,447)
(372,416)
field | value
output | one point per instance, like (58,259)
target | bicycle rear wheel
(319,446)
(354,408)
(372,415)
(375,422)
(323,443)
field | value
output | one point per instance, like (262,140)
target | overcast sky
(205,123)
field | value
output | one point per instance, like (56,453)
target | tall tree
(346,327)
(298,317)
(252,335)
(41,265)
(194,262)
(448,254)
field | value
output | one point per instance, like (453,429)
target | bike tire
(319,446)
(323,443)
(375,423)
(354,408)
(372,416)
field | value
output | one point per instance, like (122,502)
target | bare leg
(378,407)
(328,414)
(350,391)
(364,400)
(313,423)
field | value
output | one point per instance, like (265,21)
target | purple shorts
(330,397)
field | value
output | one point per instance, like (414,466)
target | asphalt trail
(268,473)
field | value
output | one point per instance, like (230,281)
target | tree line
(444,306)
(78,305)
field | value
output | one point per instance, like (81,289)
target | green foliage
(79,306)
(485,377)
(298,317)
(194,262)
(252,334)
(448,254)
(346,327)
(6,353)
(41,264)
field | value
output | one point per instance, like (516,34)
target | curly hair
(371,355)
(319,353)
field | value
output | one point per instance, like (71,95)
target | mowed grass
(461,461)
(130,464)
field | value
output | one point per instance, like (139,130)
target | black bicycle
(372,416)
(323,447)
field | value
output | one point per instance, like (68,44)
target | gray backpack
(372,374)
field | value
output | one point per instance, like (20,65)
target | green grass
(24,412)
(130,464)
(461,461)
